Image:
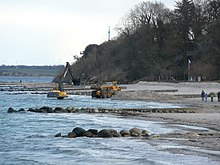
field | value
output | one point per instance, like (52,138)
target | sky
(51,32)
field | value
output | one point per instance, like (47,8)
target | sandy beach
(207,114)
(186,94)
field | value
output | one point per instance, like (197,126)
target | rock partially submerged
(105,133)
(11,110)
(79,131)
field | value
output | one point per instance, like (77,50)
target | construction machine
(58,91)
(106,90)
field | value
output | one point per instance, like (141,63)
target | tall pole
(109,33)
(189,75)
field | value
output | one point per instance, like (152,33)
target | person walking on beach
(206,97)
(212,95)
(203,95)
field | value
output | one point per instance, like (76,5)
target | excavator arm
(75,81)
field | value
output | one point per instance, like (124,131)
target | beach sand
(207,114)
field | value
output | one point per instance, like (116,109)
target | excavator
(58,91)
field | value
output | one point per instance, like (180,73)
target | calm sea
(25,79)
(28,138)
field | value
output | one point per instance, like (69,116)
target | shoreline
(207,114)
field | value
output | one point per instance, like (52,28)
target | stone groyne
(46,109)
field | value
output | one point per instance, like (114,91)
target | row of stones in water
(105,133)
(46,109)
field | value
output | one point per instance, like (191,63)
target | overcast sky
(51,32)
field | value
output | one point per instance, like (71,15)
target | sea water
(28,138)
(25,79)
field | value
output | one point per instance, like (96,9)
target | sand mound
(143,95)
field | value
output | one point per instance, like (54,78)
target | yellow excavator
(106,90)
(58,91)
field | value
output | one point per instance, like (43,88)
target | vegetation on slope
(156,43)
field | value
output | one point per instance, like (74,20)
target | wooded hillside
(156,43)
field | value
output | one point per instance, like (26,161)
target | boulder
(46,109)
(135,132)
(88,110)
(50,110)
(40,111)
(114,133)
(125,133)
(70,110)
(104,134)
(11,110)
(60,110)
(145,133)
(21,110)
(71,135)
(77,110)
(94,131)
(31,110)
(79,131)
(88,134)
(95,110)
(81,110)
(57,135)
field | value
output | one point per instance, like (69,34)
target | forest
(155,43)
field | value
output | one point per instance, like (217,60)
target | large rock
(79,131)
(145,133)
(135,132)
(125,133)
(60,110)
(31,110)
(72,135)
(94,131)
(88,134)
(105,134)
(71,110)
(114,133)
(47,109)
(11,110)
(40,111)
(21,110)
(57,135)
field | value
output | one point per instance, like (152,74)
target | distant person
(219,96)
(203,95)
(206,97)
(212,95)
